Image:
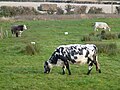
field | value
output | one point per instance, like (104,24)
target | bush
(94,10)
(93,36)
(60,11)
(13,11)
(31,49)
(107,48)
(80,10)
(90,38)
(118,9)
(68,9)
(108,35)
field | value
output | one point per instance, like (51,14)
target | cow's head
(24,27)
(46,67)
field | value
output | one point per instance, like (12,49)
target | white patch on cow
(24,27)
(20,32)
(49,64)
(81,59)
(60,62)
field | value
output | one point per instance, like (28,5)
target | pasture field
(19,71)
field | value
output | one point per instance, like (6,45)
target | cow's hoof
(99,71)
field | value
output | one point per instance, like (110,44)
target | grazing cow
(73,53)
(101,25)
(18,29)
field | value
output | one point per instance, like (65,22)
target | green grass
(19,71)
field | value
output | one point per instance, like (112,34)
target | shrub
(108,35)
(68,9)
(118,9)
(31,49)
(80,10)
(107,48)
(13,11)
(60,11)
(94,10)
(90,38)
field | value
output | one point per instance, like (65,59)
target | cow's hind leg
(97,64)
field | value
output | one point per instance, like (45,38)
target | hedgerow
(14,11)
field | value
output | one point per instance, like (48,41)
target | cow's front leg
(63,68)
(16,34)
(90,67)
(20,32)
(64,59)
(67,66)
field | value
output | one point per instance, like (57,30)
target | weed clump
(31,49)
(103,35)
(108,36)
(107,48)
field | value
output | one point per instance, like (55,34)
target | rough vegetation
(94,10)
(14,11)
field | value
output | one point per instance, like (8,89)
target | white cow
(101,25)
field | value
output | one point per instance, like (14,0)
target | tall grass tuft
(107,48)
(31,49)
(90,38)
(93,36)
(108,36)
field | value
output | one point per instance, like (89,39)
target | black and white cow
(18,29)
(73,53)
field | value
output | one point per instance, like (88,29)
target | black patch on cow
(61,50)
(69,58)
(57,50)
(46,63)
(84,48)
(80,51)
(88,60)
(75,57)
(75,52)
(72,53)
(87,53)
(54,58)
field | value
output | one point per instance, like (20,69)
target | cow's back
(76,52)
